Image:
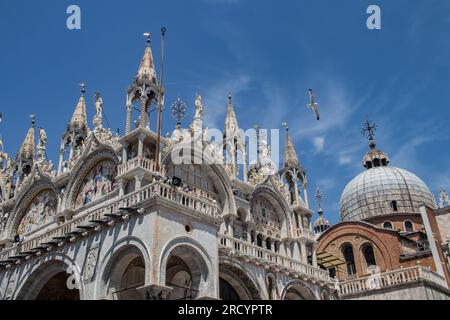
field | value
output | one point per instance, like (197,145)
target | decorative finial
(163,31)
(178,110)
(147,36)
(229,98)
(368,128)
(83,87)
(285,125)
(33,119)
(318,196)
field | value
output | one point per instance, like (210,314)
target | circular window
(188,228)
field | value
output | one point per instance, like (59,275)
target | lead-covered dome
(383,190)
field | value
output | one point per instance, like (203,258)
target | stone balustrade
(153,190)
(277,260)
(389,279)
(138,162)
(305,232)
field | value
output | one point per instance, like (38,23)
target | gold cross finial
(368,128)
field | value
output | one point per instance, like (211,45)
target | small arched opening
(369,255)
(349,258)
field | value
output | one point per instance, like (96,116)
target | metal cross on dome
(318,196)
(368,128)
(178,110)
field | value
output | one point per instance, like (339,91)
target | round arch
(185,258)
(53,266)
(244,285)
(215,171)
(298,290)
(364,230)
(116,264)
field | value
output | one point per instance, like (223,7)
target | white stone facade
(113,223)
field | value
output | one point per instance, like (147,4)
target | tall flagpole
(160,104)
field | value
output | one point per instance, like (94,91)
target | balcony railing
(389,279)
(274,224)
(262,255)
(153,190)
(305,232)
(138,162)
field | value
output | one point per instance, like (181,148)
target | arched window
(409,226)
(270,288)
(394,205)
(259,240)
(349,258)
(387,225)
(268,244)
(369,255)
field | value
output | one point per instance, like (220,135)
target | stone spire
(233,142)
(293,172)
(144,89)
(231,124)
(147,66)
(79,117)
(27,150)
(290,156)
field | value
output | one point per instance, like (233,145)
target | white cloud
(319,143)
(344,159)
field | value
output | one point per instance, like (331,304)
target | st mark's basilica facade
(118,218)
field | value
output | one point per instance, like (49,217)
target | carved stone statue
(42,142)
(198,107)
(42,138)
(98,104)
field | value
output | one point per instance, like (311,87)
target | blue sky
(267,53)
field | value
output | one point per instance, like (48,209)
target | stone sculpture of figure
(98,104)
(42,138)
(198,106)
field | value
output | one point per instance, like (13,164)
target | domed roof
(383,190)
(321,224)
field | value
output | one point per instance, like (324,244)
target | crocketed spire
(147,66)
(27,150)
(79,117)
(290,156)
(231,124)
